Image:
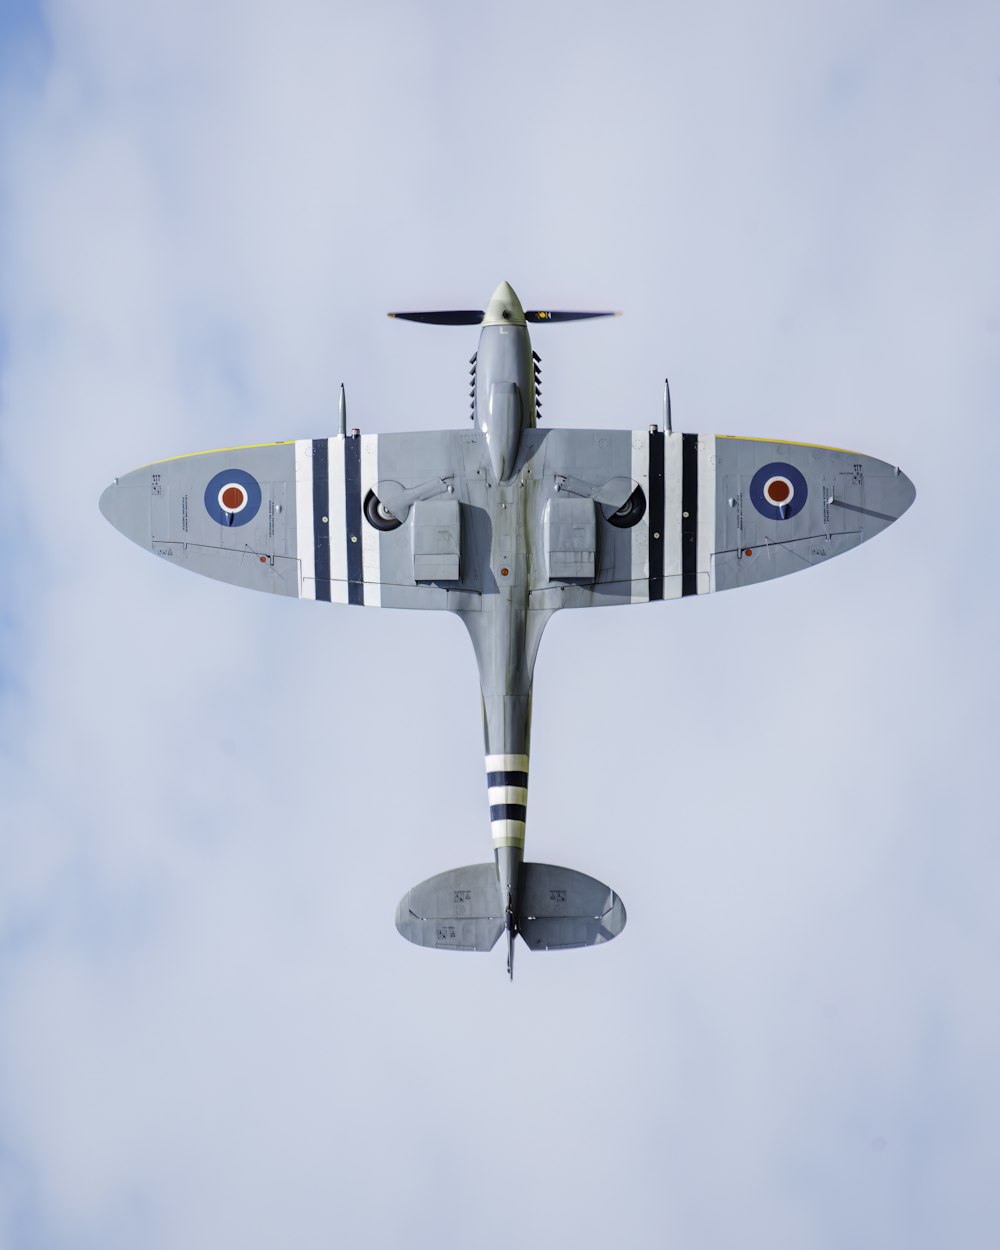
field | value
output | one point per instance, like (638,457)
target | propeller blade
(450,317)
(555,315)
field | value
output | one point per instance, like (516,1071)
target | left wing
(300,518)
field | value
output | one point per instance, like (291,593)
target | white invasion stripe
(508,832)
(370,537)
(507,794)
(640,532)
(305,546)
(673,448)
(706,513)
(506,763)
(338,521)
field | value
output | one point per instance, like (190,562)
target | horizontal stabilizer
(456,910)
(560,908)
(461,910)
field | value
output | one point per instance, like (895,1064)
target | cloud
(213,801)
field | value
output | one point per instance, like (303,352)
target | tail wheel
(378,515)
(630,513)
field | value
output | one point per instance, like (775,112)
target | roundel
(778,491)
(232,497)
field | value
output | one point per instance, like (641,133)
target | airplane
(504,523)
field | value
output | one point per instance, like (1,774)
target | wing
(290,518)
(404,520)
(683,514)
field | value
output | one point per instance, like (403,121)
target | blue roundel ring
(232,497)
(778,491)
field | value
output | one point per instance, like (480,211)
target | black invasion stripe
(689,518)
(656,517)
(507,779)
(508,811)
(321,514)
(352,502)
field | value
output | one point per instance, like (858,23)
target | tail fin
(557,908)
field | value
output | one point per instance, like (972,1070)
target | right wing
(720,512)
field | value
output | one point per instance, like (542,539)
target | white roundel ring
(233,497)
(779,491)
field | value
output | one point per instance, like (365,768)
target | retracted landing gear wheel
(630,513)
(378,515)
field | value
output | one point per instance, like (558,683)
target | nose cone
(126,504)
(504,308)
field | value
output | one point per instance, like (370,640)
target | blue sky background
(211,1033)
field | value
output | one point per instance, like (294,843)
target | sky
(210,1032)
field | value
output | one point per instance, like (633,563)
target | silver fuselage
(506,632)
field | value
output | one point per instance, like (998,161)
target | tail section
(560,908)
(557,908)
(458,910)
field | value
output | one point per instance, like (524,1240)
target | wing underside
(290,518)
(720,512)
(610,516)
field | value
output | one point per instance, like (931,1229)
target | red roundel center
(778,490)
(233,497)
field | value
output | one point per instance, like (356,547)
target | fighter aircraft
(504,523)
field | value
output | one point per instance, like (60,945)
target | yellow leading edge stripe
(789,442)
(212,451)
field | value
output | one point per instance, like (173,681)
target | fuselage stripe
(657,520)
(689,515)
(495,763)
(321,506)
(507,794)
(352,513)
(509,811)
(507,779)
